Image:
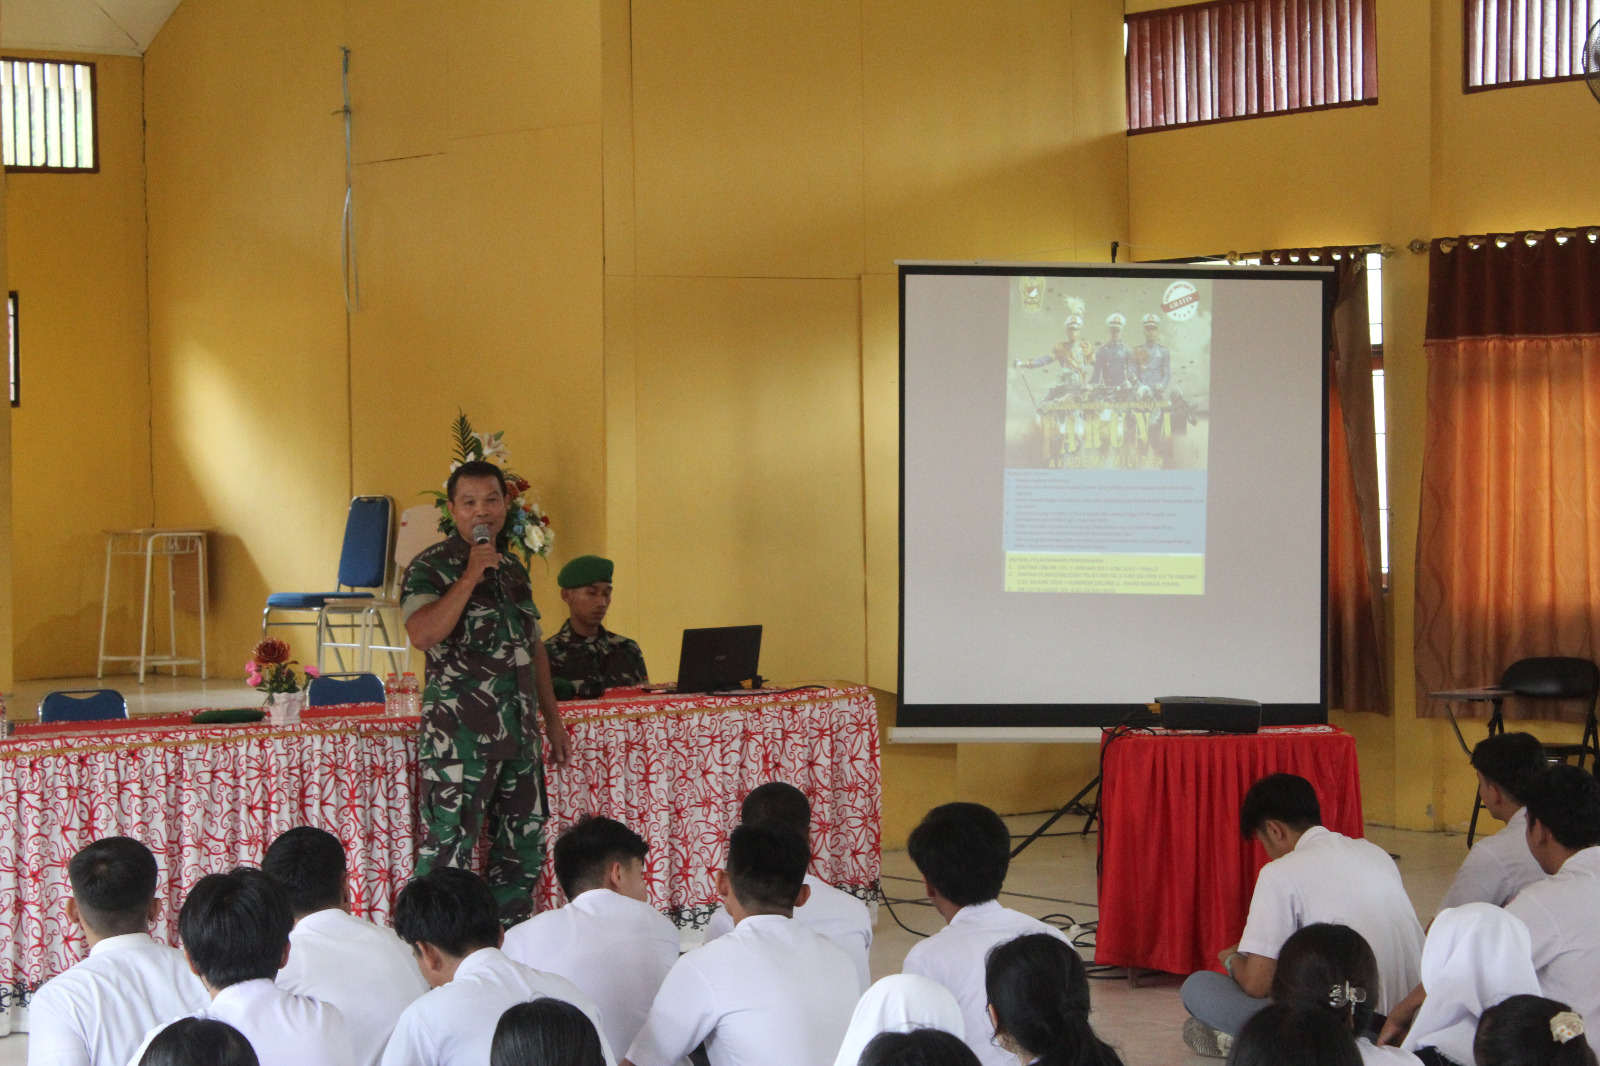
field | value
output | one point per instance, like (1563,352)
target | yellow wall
(80,459)
(1427,161)
(764,168)
(477,199)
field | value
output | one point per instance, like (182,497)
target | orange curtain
(1508,550)
(1356,638)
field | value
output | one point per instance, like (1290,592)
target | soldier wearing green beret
(583,649)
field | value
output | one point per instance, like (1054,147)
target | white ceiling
(103,27)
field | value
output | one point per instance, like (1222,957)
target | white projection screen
(1113,489)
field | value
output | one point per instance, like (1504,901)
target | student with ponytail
(1039,1003)
(1531,1031)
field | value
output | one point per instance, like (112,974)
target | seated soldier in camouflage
(583,650)
(469,606)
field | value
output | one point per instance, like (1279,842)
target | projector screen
(1112,490)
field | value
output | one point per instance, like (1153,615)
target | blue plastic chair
(331,689)
(363,564)
(83,705)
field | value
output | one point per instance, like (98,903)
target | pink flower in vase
(312,671)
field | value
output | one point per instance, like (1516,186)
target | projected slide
(1107,401)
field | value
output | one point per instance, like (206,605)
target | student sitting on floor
(199,1042)
(546,1032)
(963,851)
(1499,866)
(235,932)
(771,993)
(1531,1031)
(1315,875)
(1293,1034)
(837,915)
(97,1012)
(1332,967)
(607,940)
(450,919)
(1476,956)
(1039,1003)
(899,1003)
(363,969)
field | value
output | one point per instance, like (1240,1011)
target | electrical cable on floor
(888,905)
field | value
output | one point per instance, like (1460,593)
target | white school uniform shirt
(1560,915)
(900,1003)
(97,1012)
(773,992)
(453,1025)
(363,969)
(1476,955)
(284,1029)
(835,914)
(954,957)
(1329,877)
(616,949)
(1497,867)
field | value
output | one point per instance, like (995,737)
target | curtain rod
(1337,252)
(1500,240)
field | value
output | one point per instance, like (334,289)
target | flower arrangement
(527,527)
(272,671)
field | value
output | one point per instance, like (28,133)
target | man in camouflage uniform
(471,609)
(583,650)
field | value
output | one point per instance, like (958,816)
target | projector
(1214,714)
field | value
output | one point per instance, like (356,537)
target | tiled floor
(1055,877)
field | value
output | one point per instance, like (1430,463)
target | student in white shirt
(900,1003)
(97,1012)
(361,968)
(837,915)
(772,992)
(546,1031)
(1499,866)
(1039,1003)
(1315,875)
(235,932)
(1563,804)
(1476,956)
(963,851)
(607,940)
(450,918)
(199,1042)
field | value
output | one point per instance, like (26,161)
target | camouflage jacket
(479,696)
(612,660)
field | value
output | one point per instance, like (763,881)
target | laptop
(718,659)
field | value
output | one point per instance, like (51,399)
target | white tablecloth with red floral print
(674,769)
(207,798)
(204,799)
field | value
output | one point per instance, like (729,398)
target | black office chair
(1550,677)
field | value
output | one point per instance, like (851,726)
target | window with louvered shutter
(47,115)
(1236,59)
(1522,42)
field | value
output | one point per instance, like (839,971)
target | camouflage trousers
(458,795)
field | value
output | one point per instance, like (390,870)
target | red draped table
(1175,876)
(674,768)
(204,799)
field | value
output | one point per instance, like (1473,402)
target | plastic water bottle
(391,696)
(411,696)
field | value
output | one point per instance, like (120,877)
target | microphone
(480,534)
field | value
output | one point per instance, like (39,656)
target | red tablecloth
(674,768)
(1175,876)
(204,799)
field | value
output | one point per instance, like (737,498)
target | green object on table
(228,716)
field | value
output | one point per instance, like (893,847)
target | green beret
(584,570)
(564,689)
